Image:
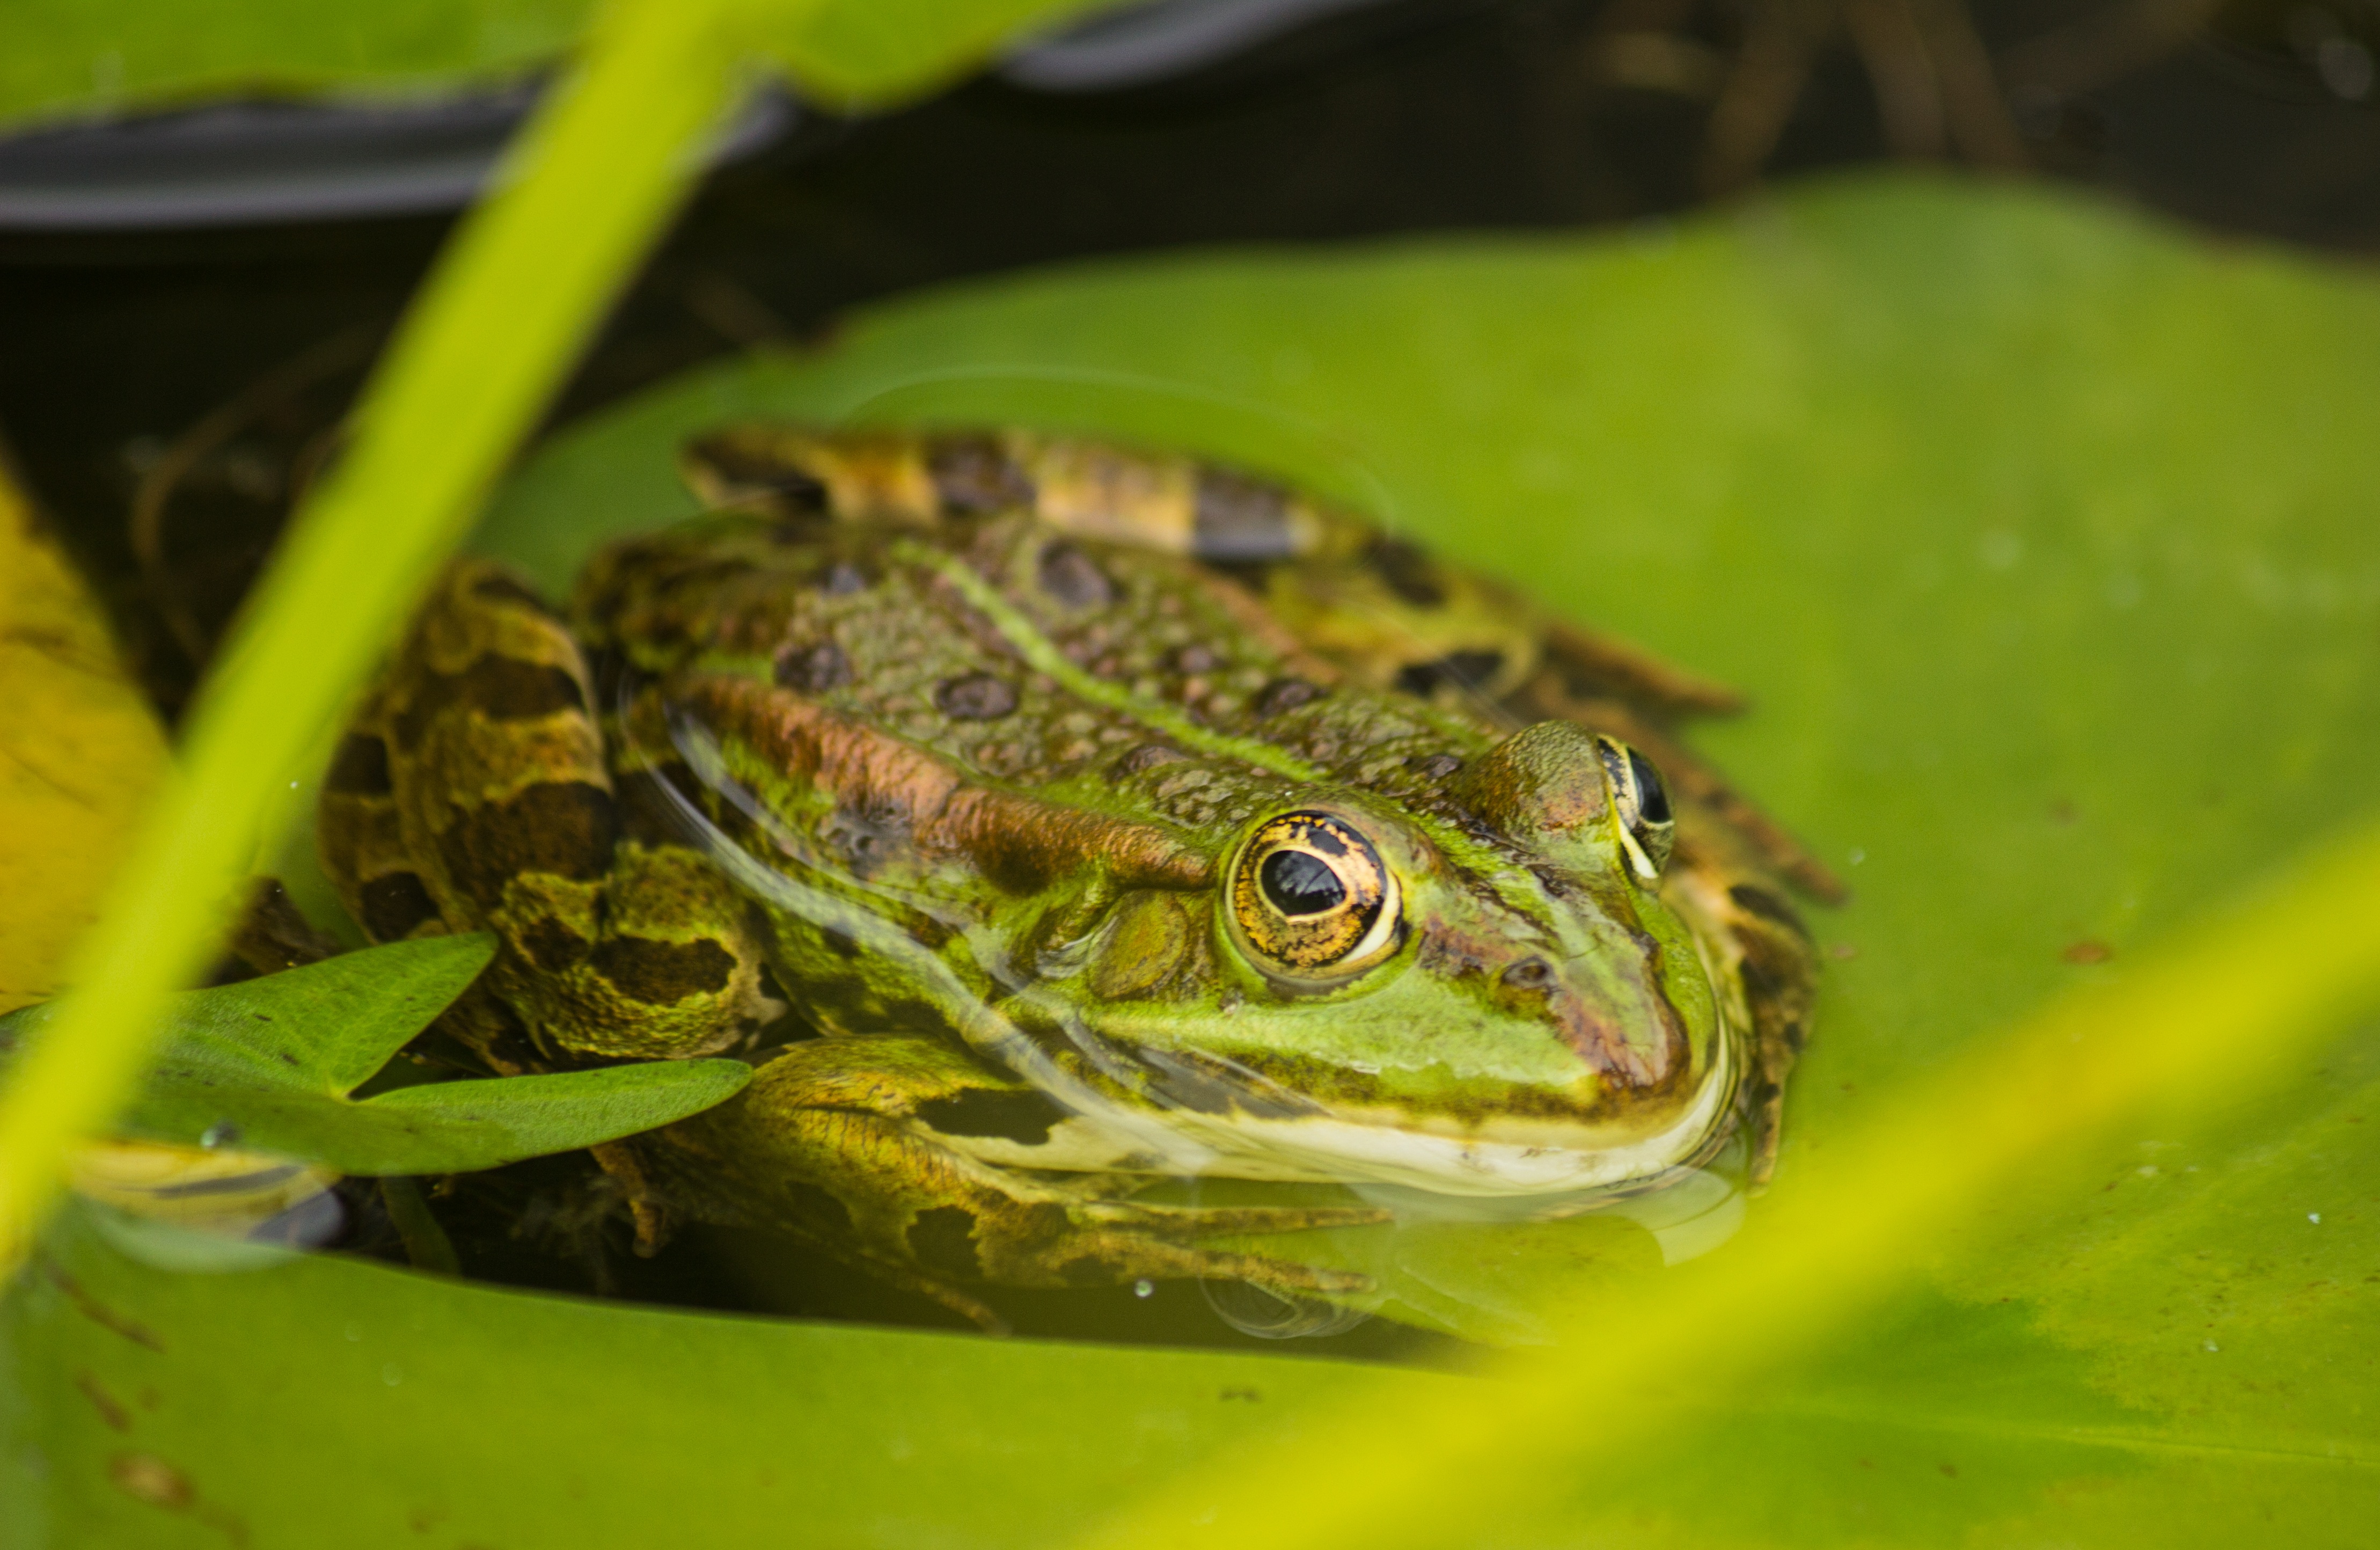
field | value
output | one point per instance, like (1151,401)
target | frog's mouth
(1253,1136)
(1516,1157)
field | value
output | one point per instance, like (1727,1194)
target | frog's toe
(1117,1242)
(1114,1256)
(1188,1223)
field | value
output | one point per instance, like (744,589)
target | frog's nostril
(1530,973)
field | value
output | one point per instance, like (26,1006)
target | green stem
(507,311)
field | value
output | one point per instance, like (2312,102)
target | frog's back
(1360,657)
(1027,654)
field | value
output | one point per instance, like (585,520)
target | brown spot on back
(663,973)
(814,670)
(976,697)
(1148,756)
(2088,951)
(1074,578)
(1284,694)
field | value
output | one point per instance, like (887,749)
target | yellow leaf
(80,751)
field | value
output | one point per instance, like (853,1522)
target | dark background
(2247,117)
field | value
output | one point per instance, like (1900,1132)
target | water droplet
(1143,1288)
(2213,1347)
(2315,1216)
(392,1374)
(1857,855)
(222,1132)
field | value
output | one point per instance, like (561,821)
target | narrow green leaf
(454,1127)
(505,310)
(321,1031)
(327,1028)
(272,1060)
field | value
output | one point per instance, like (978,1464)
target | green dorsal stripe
(1044,657)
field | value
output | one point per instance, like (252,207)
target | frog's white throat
(1514,1156)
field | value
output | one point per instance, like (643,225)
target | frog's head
(1499,1006)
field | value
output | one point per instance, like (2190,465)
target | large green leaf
(273,1061)
(2041,536)
(82,56)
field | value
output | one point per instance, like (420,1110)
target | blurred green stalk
(2229,1004)
(500,320)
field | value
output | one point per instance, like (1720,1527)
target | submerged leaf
(271,1061)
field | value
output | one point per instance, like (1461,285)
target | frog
(1043,817)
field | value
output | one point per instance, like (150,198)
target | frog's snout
(1622,1027)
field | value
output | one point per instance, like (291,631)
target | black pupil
(1301,884)
(1652,799)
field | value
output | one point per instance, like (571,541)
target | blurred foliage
(69,58)
(80,751)
(597,172)
(2040,534)
(272,1062)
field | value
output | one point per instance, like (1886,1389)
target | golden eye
(1310,895)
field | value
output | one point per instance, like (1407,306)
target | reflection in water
(206,1208)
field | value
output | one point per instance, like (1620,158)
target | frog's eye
(1644,806)
(1311,896)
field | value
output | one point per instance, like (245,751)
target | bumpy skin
(986,728)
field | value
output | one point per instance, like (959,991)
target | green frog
(1041,818)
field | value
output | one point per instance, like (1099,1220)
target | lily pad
(273,1061)
(2040,534)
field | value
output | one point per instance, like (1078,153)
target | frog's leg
(1765,957)
(869,1145)
(471,794)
